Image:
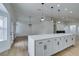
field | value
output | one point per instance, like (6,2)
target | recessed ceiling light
(66,9)
(70,11)
(58,5)
(58,22)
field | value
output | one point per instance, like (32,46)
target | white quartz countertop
(45,36)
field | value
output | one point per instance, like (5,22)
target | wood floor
(19,48)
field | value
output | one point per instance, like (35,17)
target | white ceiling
(35,10)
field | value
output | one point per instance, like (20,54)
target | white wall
(42,28)
(23,29)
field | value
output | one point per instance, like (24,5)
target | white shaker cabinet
(64,42)
(48,47)
(60,47)
(73,39)
(67,44)
(56,44)
(69,40)
(39,48)
(44,47)
(49,44)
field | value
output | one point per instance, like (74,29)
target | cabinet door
(48,47)
(56,45)
(69,39)
(72,39)
(64,43)
(39,50)
(61,43)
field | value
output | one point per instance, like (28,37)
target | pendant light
(42,18)
(30,21)
(30,25)
(59,15)
(51,14)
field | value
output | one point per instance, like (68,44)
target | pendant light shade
(42,19)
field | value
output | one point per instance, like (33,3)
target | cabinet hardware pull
(58,43)
(45,47)
(66,41)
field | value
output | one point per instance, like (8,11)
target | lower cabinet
(61,44)
(64,42)
(56,45)
(73,39)
(39,48)
(44,47)
(69,40)
(50,46)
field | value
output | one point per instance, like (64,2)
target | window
(73,28)
(3,28)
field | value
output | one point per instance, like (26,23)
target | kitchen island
(49,44)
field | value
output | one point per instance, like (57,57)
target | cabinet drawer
(39,42)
